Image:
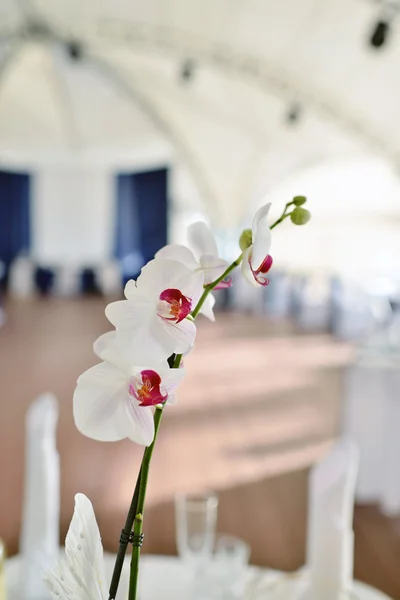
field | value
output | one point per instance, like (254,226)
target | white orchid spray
(125,395)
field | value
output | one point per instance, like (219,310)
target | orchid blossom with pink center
(152,322)
(113,399)
(204,258)
(256,258)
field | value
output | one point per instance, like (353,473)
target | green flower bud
(246,239)
(300,216)
(299,200)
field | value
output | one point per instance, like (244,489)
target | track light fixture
(187,70)
(382,29)
(294,113)
(75,50)
(380,33)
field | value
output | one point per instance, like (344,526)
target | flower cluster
(140,370)
(114,399)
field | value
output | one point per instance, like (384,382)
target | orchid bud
(245,240)
(299,200)
(300,216)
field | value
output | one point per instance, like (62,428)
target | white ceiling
(125,105)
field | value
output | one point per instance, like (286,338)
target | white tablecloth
(166,577)
(372,419)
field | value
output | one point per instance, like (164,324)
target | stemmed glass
(196,521)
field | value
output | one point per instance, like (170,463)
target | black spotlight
(293,114)
(187,70)
(75,50)
(379,34)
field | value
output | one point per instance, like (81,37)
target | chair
(21,279)
(109,278)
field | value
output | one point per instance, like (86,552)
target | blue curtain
(14,215)
(141,218)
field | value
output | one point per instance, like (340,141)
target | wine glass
(196,521)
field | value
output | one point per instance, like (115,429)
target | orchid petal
(137,332)
(99,403)
(178,337)
(161,274)
(246,268)
(171,400)
(127,314)
(133,322)
(108,348)
(184,335)
(224,284)
(131,290)
(258,217)
(192,286)
(142,417)
(213,267)
(178,253)
(144,345)
(261,244)
(104,409)
(171,378)
(201,238)
(207,308)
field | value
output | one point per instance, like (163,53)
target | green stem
(283,216)
(138,523)
(122,544)
(209,287)
(177,361)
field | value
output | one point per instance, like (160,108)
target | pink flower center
(173,305)
(262,270)
(224,284)
(146,388)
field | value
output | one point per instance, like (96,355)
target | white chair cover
(67,281)
(314,313)
(109,278)
(245,297)
(277,296)
(21,282)
(372,419)
(39,538)
(352,317)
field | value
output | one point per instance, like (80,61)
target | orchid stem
(122,544)
(138,522)
(283,216)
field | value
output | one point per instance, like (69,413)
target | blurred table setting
(371,416)
(211,565)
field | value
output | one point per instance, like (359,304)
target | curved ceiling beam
(269,77)
(8,57)
(64,96)
(142,98)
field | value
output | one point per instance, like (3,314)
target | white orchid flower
(80,575)
(204,258)
(256,259)
(113,399)
(151,323)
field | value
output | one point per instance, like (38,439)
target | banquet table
(371,418)
(166,577)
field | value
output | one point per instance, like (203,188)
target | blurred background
(121,123)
